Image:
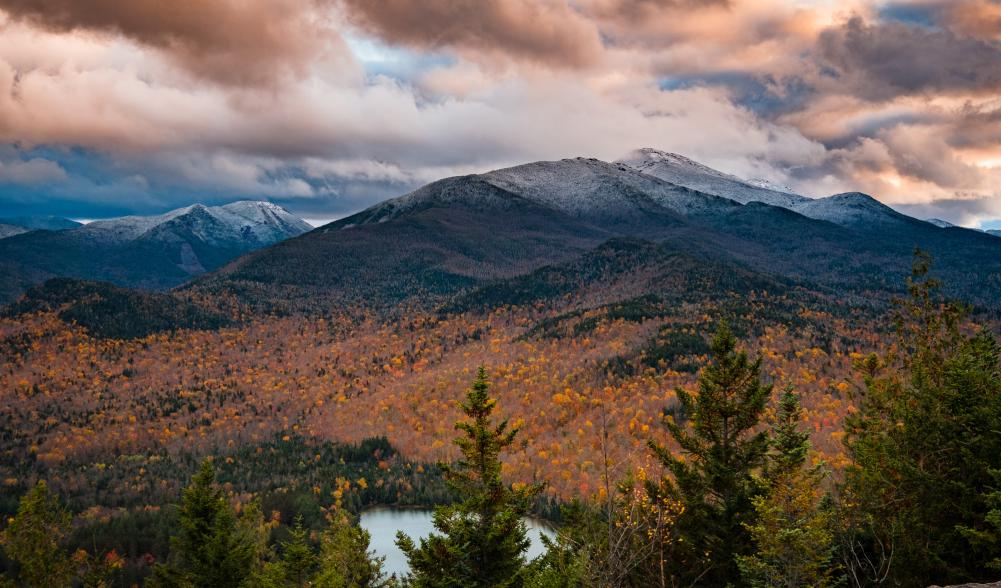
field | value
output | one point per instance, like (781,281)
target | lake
(383,523)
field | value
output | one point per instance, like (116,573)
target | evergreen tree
(482,540)
(345,560)
(213,549)
(923,444)
(790,444)
(988,537)
(34,540)
(792,530)
(715,479)
(297,557)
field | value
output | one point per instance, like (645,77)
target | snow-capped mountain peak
(648,157)
(580,187)
(266,222)
(682,171)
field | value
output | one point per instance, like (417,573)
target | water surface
(383,523)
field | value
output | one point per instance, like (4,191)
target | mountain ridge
(459,233)
(152,252)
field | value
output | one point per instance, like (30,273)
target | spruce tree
(34,538)
(297,557)
(922,445)
(790,444)
(345,560)
(212,548)
(715,478)
(292,567)
(481,541)
(792,527)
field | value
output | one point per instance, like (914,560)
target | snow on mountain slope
(649,185)
(586,187)
(127,228)
(769,185)
(262,223)
(581,187)
(942,224)
(268,222)
(682,171)
(994,232)
(852,209)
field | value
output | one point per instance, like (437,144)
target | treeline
(741,499)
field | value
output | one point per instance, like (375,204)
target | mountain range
(448,240)
(151,252)
(462,233)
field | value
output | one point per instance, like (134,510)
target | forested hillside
(750,440)
(321,375)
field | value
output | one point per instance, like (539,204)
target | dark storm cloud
(883,60)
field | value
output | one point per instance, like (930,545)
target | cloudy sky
(110,107)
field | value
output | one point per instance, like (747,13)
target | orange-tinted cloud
(976,18)
(547,32)
(244,42)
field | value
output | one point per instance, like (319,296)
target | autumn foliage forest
(300,411)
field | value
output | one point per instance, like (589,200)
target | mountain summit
(146,251)
(682,171)
(586,189)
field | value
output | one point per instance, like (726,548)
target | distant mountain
(11,230)
(15,225)
(853,209)
(154,252)
(995,232)
(942,224)
(49,223)
(459,234)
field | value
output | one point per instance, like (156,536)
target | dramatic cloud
(329,105)
(235,41)
(886,60)
(548,32)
